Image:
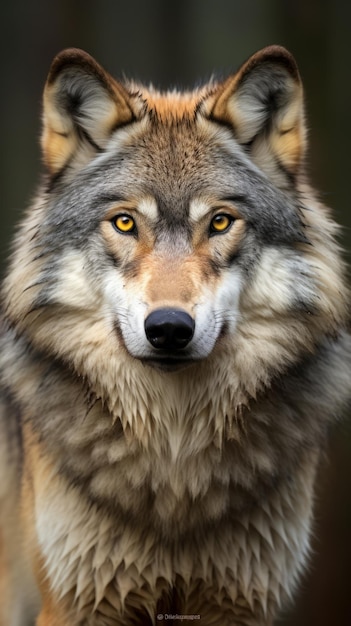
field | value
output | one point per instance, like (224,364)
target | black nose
(169,329)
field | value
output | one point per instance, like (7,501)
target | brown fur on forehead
(175,161)
(171,106)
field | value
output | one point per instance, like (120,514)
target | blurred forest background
(177,43)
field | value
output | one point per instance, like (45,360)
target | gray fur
(150,488)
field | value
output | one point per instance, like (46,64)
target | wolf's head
(175,229)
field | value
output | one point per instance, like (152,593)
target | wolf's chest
(100,564)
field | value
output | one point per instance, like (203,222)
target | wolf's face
(172,234)
(180,237)
(173,229)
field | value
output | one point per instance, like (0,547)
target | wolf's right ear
(82,106)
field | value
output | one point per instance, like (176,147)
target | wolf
(174,353)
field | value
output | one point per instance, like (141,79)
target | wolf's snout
(169,329)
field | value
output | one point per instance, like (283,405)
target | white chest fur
(102,564)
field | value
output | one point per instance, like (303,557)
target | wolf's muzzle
(169,329)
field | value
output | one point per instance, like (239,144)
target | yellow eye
(220,223)
(124,223)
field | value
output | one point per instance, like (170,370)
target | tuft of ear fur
(263,103)
(82,106)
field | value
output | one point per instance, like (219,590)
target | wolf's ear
(263,103)
(83,104)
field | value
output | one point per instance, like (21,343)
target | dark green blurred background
(178,43)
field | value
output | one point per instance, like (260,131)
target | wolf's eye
(220,223)
(124,224)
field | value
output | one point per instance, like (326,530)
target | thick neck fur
(168,438)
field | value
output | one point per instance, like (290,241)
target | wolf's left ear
(83,104)
(263,103)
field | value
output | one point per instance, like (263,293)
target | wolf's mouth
(168,364)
